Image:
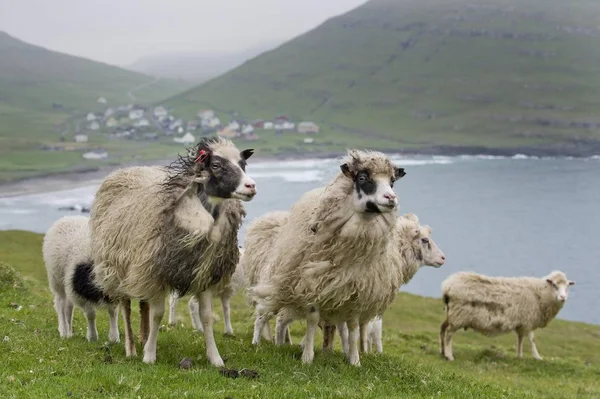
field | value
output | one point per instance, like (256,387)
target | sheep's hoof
(229,334)
(218,362)
(149,358)
(538,358)
(449,358)
(307,358)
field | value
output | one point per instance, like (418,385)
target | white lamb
(67,259)
(225,291)
(333,258)
(497,305)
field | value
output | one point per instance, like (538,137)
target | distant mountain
(415,74)
(196,66)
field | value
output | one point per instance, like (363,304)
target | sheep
(159,229)
(416,248)
(498,305)
(67,259)
(332,259)
(224,291)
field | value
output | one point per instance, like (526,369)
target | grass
(37,363)
(427,73)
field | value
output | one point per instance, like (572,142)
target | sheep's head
(425,249)
(373,175)
(226,167)
(558,281)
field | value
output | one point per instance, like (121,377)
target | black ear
(247,153)
(346,171)
(550,282)
(399,173)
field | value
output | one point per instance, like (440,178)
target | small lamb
(497,305)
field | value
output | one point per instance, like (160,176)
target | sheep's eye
(362,178)
(425,240)
(392,182)
(215,165)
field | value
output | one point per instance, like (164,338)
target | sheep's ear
(571,282)
(550,281)
(346,171)
(399,173)
(247,153)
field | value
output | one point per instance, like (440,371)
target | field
(37,363)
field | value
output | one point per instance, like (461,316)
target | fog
(121,31)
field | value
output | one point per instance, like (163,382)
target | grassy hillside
(37,363)
(42,92)
(426,73)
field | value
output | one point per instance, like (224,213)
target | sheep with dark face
(69,267)
(159,229)
(332,258)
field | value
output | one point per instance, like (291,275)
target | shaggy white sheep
(333,257)
(67,259)
(416,248)
(496,305)
(156,230)
(224,291)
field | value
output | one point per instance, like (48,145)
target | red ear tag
(201,156)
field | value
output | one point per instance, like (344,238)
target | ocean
(519,216)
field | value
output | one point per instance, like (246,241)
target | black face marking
(84,286)
(364,184)
(372,207)
(446,299)
(399,173)
(225,177)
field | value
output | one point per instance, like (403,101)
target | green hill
(511,75)
(37,363)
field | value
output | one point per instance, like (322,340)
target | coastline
(80,178)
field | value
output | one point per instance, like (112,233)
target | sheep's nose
(562,298)
(390,197)
(250,185)
(443,257)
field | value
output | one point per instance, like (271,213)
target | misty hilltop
(430,73)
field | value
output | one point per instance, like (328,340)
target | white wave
(293,164)
(294,177)
(19,211)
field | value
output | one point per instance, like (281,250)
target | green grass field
(37,363)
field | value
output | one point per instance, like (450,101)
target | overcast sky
(120,31)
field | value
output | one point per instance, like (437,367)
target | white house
(284,125)
(160,111)
(80,138)
(210,122)
(309,140)
(247,129)
(268,126)
(180,129)
(95,155)
(94,126)
(186,139)
(111,122)
(102,100)
(143,122)
(109,112)
(90,117)
(308,127)
(234,126)
(136,114)
(206,114)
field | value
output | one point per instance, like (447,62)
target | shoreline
(89,176)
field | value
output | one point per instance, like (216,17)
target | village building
(80,138)
(308,128)
(160,111)
(186,139)
(95,155)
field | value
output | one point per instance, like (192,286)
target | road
(132,96)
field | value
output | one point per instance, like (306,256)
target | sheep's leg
(260,323)
(312,322)
(377,337)
(157,311)
(144,322)
(226,314)
(68,309)
(343,331)
(288,336)
(206,315)
(59,306)
(129,344)
(353,338)
(448,342)
(282,324)
(194,308)
(443,328)
(173,300)
(113,321)
(328,336)
(90,316)
(536,354)
(364,337)
(520,343)
(266,331)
